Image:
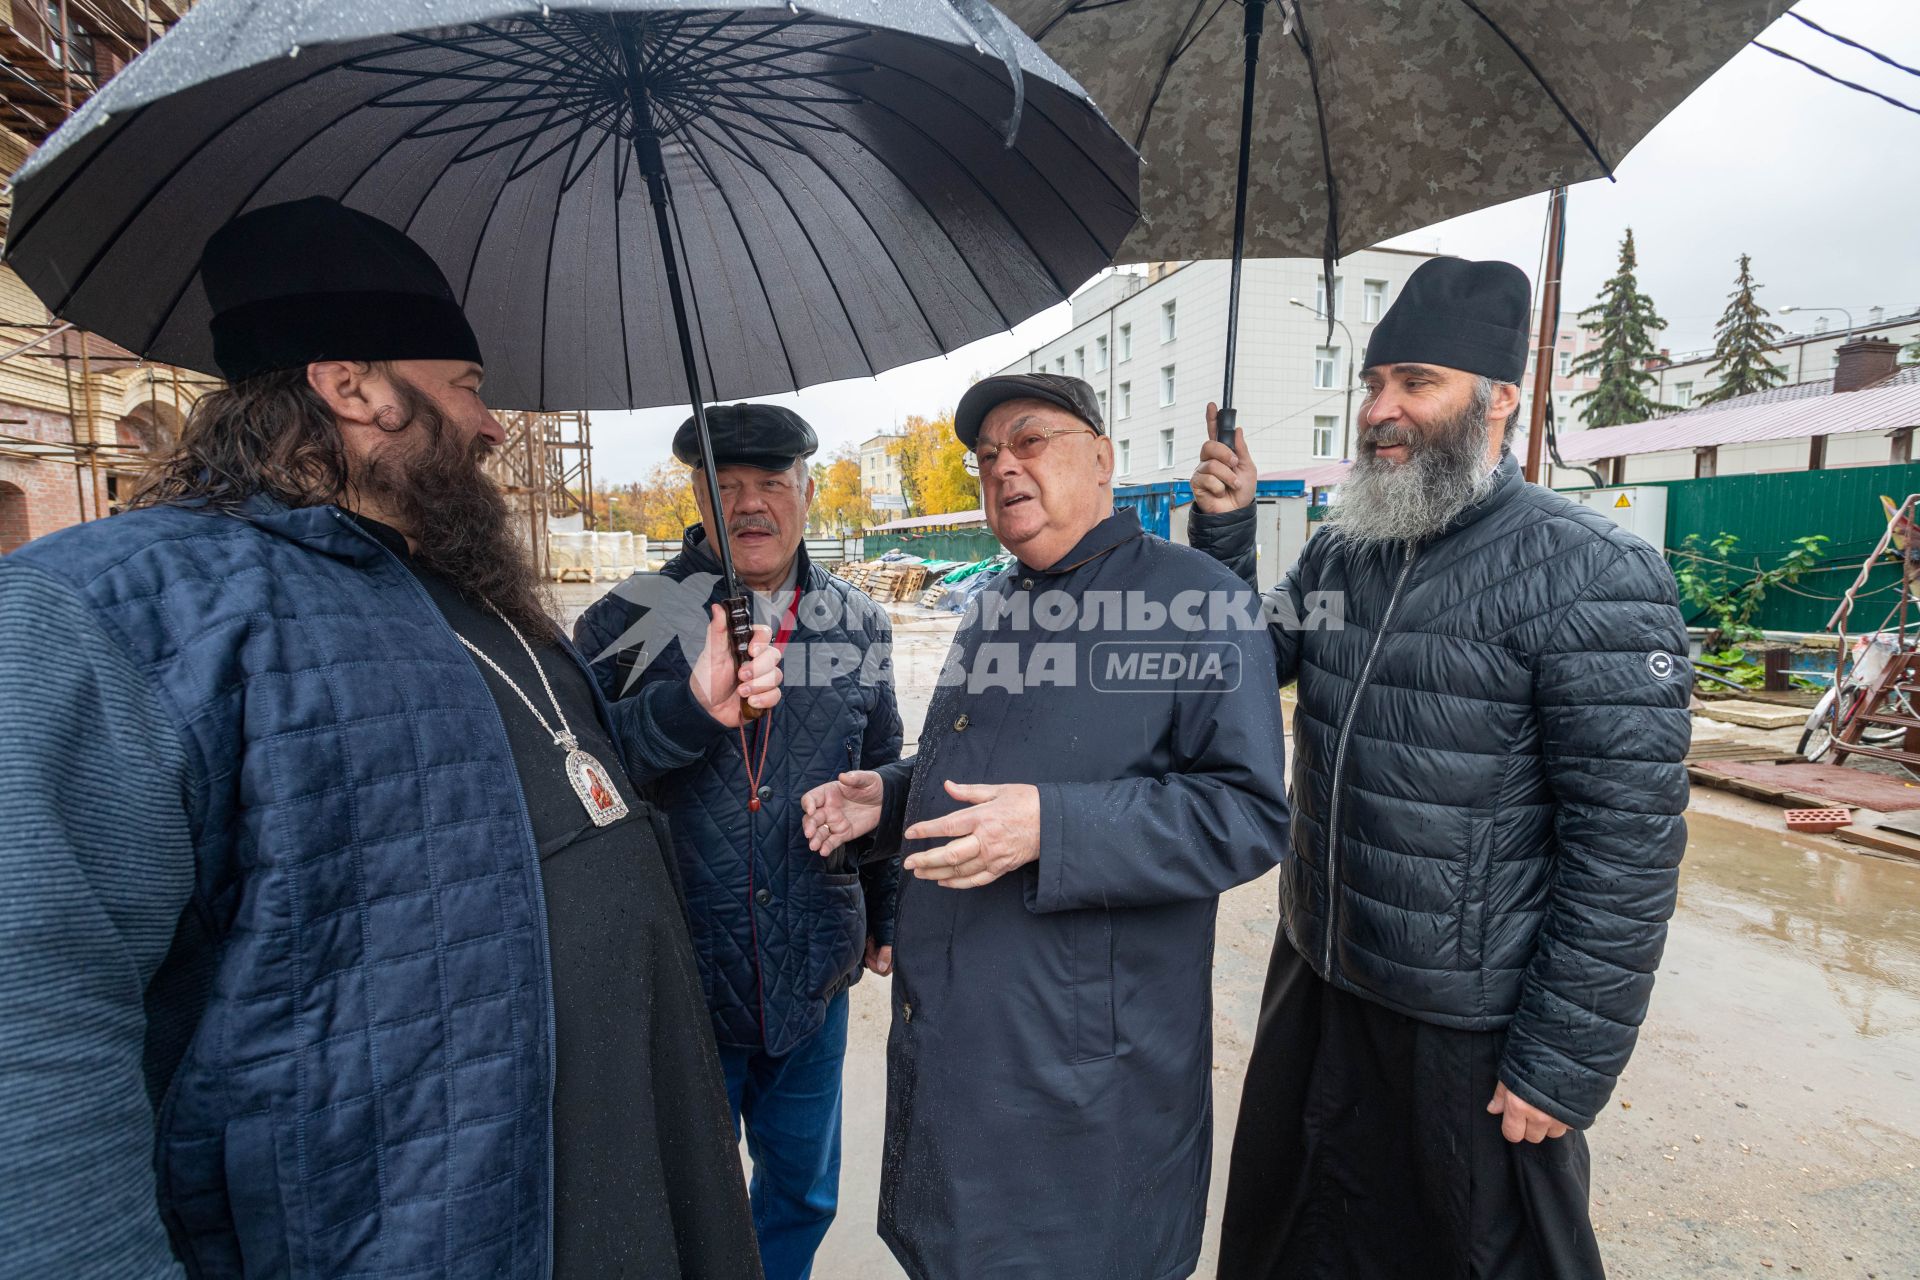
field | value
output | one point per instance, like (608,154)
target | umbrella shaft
(1255,23)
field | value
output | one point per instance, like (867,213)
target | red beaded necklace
(765,727)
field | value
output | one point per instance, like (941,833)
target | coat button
(1027,583)
(763,896)
(906,1012)
(765,794)
(960,725)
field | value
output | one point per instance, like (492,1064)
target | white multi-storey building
(880,473)
(1803,357)
(1154,348)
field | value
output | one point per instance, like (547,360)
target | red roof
(933,522)
(1320,476)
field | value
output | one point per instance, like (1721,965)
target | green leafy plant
(1731,593)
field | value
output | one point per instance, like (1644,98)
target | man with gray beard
(1487,830)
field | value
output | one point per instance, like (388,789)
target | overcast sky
(1819,183)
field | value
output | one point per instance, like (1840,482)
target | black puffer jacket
(1487,781)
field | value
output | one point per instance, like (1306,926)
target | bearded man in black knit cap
(337,938)
(1487,827)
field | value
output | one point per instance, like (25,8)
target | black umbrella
(830,189)
(1373,119)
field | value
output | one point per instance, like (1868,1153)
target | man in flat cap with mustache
(780,936)
(1487,829)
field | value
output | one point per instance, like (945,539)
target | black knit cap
(1075,395)
(314,280)
(1457,314)
(749,435)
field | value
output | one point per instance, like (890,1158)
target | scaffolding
(545,469)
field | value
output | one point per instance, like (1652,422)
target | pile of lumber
(885,582)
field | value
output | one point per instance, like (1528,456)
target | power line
(1820,71)
(1871,53)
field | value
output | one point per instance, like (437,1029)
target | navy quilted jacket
(777,935)
(312,889)
(1487,780)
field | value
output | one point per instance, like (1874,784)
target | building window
(1101,396)
(1166,447)
(1683,394)
(1079,362)
(1326,361)
(1166,384)
(1126,457)
(1320,296)
(1125,391)
(1566,364)
(1060,365)
(1099,353)
(1325,429)
(1126,342)
(1374,301)
(1168,322)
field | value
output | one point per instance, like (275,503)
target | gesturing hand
(1226,479)
(842,810)
(1520,1120)
(718,688)
(998,831)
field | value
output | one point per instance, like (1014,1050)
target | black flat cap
(751,435)
(314,280)
(1459,315)
(1075,395)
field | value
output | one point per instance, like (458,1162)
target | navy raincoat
(1049,1097)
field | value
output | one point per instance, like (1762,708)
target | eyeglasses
(1027,444)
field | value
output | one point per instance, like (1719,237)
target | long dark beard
(1445,473)
(459,521)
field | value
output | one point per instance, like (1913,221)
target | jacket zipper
(539,884)
(1340,758)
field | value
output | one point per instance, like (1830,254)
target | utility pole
(1544,350)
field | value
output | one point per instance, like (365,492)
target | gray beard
(1444,474)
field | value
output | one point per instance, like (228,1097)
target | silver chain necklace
(590,779)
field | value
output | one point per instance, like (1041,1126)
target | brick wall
(37,497)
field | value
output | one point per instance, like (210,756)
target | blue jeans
(791,1106)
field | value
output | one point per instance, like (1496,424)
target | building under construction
(81,417)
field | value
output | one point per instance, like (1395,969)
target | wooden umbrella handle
(740,632)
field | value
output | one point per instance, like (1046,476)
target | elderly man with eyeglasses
(1100,761)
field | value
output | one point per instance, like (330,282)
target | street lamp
(1346,430)
(1842,310)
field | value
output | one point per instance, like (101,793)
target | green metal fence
(1767,512)
(945,544)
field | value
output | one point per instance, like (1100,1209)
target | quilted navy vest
(366,1088)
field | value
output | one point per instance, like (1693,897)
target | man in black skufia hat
(780,938)
(1487,828)
(338,938)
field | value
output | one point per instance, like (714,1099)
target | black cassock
(1365,1151)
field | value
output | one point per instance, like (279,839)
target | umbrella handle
(1223,425)
(740,633)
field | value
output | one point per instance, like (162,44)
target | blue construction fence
(1155,503)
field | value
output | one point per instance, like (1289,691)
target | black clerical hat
(1460,315)
(754,435)
(314,280)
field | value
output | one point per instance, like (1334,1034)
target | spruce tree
(1626,322)
(1742,341)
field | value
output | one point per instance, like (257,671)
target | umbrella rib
(473,260)
(546,277)
(693,301)
(905,283)
(108,243)
(1330,245)
(1586,138)
(1166,70)
(826,272)
(753,259)
(621,159)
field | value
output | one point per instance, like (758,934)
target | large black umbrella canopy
(1371,119)
(844,194)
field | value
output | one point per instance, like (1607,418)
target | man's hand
(842,810)
(879,959)
(1226,479)
(1520,1120)
(719,688)
(998,831)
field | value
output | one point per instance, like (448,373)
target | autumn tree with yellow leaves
(933,471)
(840,505)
